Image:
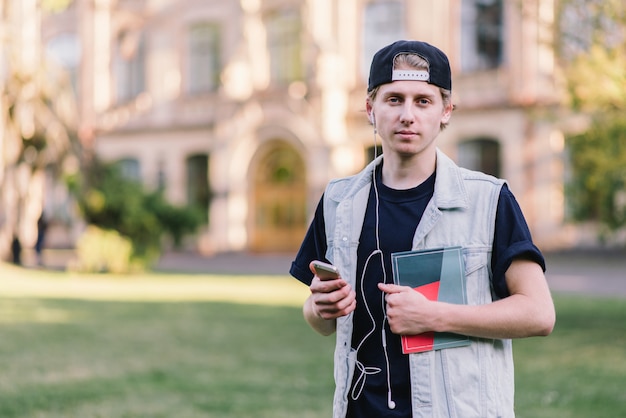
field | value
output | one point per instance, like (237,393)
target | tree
(37,127)
(591,49)
(111,202)
(597,190)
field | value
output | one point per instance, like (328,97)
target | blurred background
(137,127)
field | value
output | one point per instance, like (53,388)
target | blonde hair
(410,61)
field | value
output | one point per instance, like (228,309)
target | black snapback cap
(382,71)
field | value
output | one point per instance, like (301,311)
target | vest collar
(450,190)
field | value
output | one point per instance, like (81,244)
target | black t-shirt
(399,214)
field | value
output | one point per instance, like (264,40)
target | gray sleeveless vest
(464,382)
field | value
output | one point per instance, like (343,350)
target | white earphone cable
(365,370)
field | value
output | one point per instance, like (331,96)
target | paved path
(227,263)
(599,273)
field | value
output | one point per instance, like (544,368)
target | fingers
(393,288)
(335,310)
(332,298)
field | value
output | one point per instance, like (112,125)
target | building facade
(246,108)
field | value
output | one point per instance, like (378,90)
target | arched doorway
(278,216)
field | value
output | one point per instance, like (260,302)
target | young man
(415,197)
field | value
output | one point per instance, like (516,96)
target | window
(161,179)
(204,58)
(285,47)
(480,154)
(65,50)
(482,35)
(130,60)
(130,169)
(383,23)
(198,191)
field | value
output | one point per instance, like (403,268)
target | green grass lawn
(202,346)
(580,370)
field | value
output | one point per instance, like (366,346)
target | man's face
(408,116)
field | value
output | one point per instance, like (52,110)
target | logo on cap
(416,75)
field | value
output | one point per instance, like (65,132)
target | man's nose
(407,115)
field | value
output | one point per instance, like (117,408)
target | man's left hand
(408,311)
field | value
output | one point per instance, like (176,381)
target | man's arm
(319,324)
(528,311)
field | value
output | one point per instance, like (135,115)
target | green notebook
(439,274)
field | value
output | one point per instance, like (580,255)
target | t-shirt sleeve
(512,241)
(313,247)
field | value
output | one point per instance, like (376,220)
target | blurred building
(246,108)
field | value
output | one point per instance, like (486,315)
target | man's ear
(447,113)
(370,113)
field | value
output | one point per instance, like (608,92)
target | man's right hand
(329,300)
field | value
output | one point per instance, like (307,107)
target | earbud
(391,404)
(373,118)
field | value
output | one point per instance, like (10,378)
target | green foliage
(111,201)
(597,190)
(590,45)
(175,221)
(597,80)
(102,251)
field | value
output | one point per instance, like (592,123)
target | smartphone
(325,271)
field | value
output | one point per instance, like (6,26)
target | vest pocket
(466,380)
(477,280)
